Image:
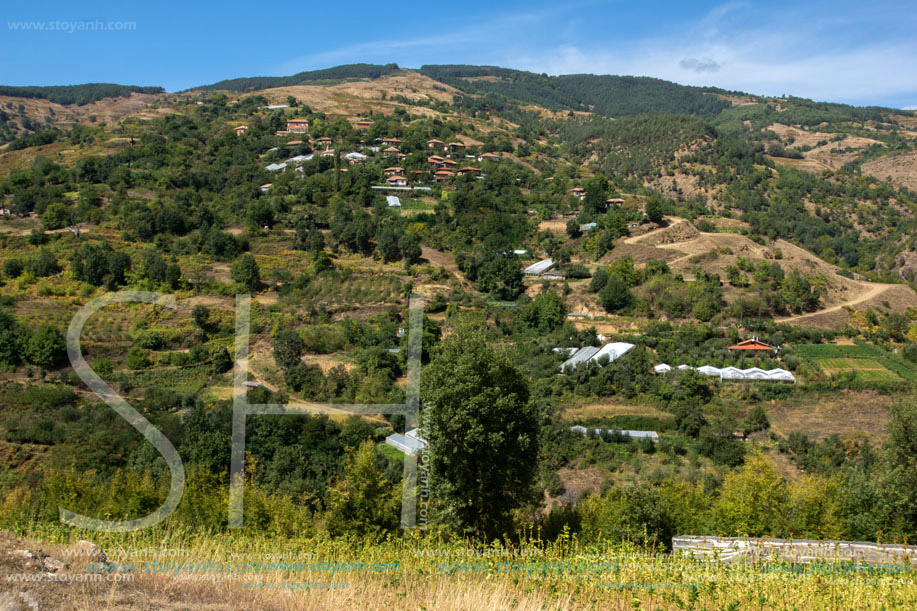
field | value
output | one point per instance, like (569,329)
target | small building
(362,125)
(537,269)
(276,167)
(579,357)
(297,126)
(436,144)
(488,157)
(393,201)
(587,227)
(328,153)
(469,170)
(615,201)
(293,143)
(355,157)
(241,129)
(410,443)
(393,171)
(755,345)
(397,181)
(613,351)
(392,141)
(456,146)
(578,192)
(448,164)
(435,161)
(265,187)
(441,175)
(390,151)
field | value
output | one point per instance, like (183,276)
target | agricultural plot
(107,325)
(868,370)
(871,363)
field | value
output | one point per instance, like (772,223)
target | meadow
(425,570)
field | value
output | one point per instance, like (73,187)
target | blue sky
(847,51)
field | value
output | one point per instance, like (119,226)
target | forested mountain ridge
(76,94)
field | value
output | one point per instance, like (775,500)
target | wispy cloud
(487,34)
(771,57)
(848,53)
(699,65)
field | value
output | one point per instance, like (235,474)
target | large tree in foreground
(482,433)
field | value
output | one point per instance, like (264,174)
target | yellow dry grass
(426,572)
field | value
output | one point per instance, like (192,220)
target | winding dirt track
(874,291)
(673,221)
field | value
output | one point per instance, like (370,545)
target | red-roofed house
(392,171)
(297,125)
(456,146)
(390,151)
(435,161)
(392,142)
(397,181)
(754,344)
(241,130)
(469,170)
(578,192)
(362,125)
(443,175)
(294,143)
(436,144)
(326,141)
(449,164)
(488,157)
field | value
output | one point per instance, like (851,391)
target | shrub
(136,358)
(47,347)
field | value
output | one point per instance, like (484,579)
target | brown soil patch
(577,483)
(805,165)
(845,413)
(900,169)
(609,409)
(354,97)
(553,225)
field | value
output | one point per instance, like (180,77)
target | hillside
(721,284)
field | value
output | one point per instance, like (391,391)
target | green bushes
(47,347)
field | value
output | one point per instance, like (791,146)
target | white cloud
(808,51)
(770,58)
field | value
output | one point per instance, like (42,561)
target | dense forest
(76,94)
(348,71)
(610,96)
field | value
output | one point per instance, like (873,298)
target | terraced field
(868,370)
(871,363)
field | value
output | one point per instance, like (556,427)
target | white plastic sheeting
(539,268)
(612,351)
(409,443)
(734,373)
(627,433)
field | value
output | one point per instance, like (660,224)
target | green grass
(872,363)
